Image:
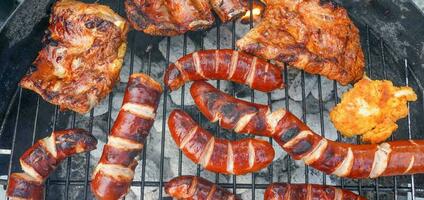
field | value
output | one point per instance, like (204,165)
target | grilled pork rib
(175,17)
(169,17)
(82,55)
(311,35)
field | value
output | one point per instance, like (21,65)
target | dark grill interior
(30,118)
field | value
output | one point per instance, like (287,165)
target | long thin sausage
(215,154)
(40,160)
(115,170)
(282,191)
(193,187)
(341,159)
(224,65)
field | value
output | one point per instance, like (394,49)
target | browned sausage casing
(40,160)
(193,187)
(282,191)
(215,154)
(341,159)
(224,64)
(115,170)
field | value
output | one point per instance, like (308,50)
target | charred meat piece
(175,17)
(228,10)
(311,35)
(83,53)
(169,17)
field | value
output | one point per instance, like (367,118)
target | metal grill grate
(33,118)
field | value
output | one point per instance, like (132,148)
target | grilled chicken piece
(82,55)
(312,35)
(371,109)
(169,17)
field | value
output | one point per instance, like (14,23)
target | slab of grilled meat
(83,52)
(313,35)
(175,17)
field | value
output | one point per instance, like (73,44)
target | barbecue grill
(391,41)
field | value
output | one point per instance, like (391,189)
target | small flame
(257,10)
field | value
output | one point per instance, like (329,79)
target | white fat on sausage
(196,61)
(252,71)
(188,137)
(251,154)
(143,111)
(381,160)
(410,165)
(207,153)
(338,194)
(49,144)
(316,153)
(117,172)
(230,159)
(123,143)
(344,168)
(213,189)
(273,118)
(243,121)
(182,71)
(28,169)
(297,138)
(233,67)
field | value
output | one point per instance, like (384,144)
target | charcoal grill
(26,117)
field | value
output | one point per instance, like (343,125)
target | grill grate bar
(409,124)
(68,162)
(321,118)
(371,74)
(287,105)
(246,185)
(304,119)
(218,83)
(165,100)
(383,62)
(14,133)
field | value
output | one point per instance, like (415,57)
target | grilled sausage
(23,186)
(341,159)
(193,187)
(215,154)
(224,65)
(228,10)
(40,160)
(115,171)
(230,112)
(281,191)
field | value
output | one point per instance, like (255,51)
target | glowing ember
(257,10)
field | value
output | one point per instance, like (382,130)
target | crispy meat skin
(312,35)
(371,109)
(82,55)
(169,17)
